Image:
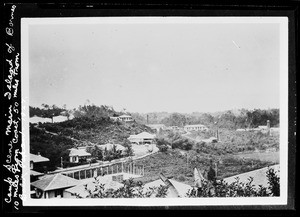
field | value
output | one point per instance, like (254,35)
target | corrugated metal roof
(125,116)
(38,158)
(78,152)
(259,176)
(91,184)
(143,135)
(56,181)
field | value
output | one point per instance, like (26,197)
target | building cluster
(266,129)
(186,128)
(65,183)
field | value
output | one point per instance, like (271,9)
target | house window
(58,193)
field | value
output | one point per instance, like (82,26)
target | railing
(102,170)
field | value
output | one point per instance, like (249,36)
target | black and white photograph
(182,111)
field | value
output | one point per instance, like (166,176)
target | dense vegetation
(50,146)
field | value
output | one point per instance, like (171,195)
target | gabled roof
(56,181)
(78,152)
(259,176)
(124,116)
(143,135)
(38,158)
(91,184)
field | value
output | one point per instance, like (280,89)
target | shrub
(130,189)
(237,188)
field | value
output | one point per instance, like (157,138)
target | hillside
(84,130)
(96,130)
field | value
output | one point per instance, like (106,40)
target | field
(175,165)
(263,156)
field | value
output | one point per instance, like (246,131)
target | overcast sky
(155,67)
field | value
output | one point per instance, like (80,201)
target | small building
(36,160)
(60,118)
(126,118)
(157,127)
(77,155)
(142,138)
(35,120)
(195,127)
(53,186)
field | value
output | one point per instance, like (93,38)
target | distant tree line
(227,119)
(48,111)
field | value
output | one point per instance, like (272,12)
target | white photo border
(282,200)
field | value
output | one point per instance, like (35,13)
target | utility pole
(61,162)
(187,159)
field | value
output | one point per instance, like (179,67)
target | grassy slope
(173,164)
(98,131)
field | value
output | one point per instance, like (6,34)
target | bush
(237,188)
(130,189)
(162,148)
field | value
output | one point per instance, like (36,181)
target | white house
(35,159)
(142,138)
(52,186)
(115,119)
(126,118)
(195,127)
(36,120)
(78,154)
(157,127)
(60,118)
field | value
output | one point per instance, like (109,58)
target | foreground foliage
(130,189)
(239,189)
(136,189)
